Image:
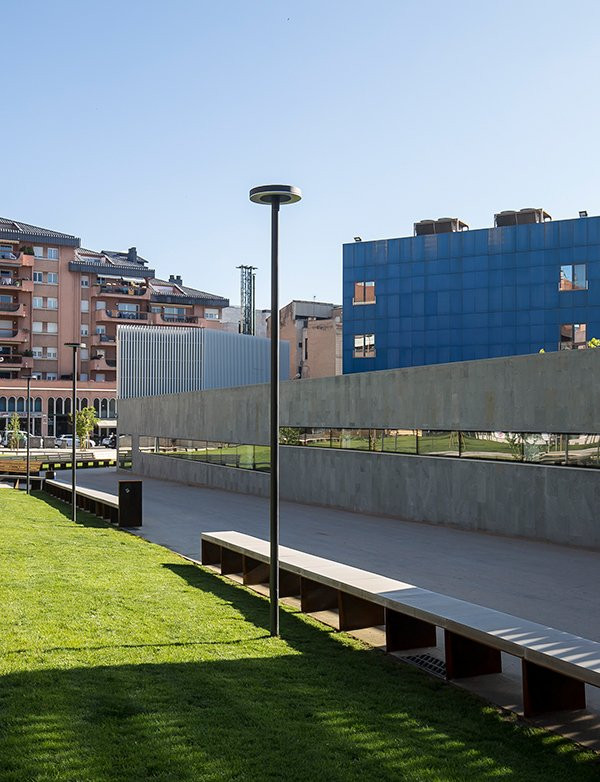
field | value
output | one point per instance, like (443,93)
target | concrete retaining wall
(556,504)
(555,392)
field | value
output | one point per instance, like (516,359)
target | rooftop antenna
(247,299)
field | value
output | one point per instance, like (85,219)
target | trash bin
(130,503)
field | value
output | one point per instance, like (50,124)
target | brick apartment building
(54,291)
(314,331)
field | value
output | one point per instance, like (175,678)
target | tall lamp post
(274,196)
(75,346)
(28,443)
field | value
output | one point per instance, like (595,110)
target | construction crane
(247,300)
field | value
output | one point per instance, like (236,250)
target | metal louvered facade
(153,360)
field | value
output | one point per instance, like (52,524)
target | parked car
(6,438)
(66,441)
(110,441)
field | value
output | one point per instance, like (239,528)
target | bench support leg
(407,632)
(545,690)
(231,562)
(356,613)
(465,657)
(211,553)
(316,597)
(255,572)
(289,584)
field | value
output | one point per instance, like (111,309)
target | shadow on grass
(314,709)
(290,717)
(84,519)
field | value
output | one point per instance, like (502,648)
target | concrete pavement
(554,585)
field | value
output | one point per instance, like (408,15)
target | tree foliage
(85,421)
(289,435)
(14,429)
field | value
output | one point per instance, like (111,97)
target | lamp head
(75,345)
(282,194)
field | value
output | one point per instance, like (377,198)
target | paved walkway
(543,582)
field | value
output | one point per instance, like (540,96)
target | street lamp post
(75,346)
(274,196)
(28,443)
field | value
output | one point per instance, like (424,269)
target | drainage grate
(428,663)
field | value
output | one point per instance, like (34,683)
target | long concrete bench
(99,503)
(555,665)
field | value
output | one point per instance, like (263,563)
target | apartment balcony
(12,283)
(16,361)
(102,339)
(119,290)
(7,259)
(176,320)
(122,315)
(16,310)
(102,364)
(15,336)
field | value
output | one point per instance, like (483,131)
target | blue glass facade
(470,294)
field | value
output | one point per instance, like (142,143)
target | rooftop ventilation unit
(520,217)
(443,225)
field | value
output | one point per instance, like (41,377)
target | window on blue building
(572,336)
(364,293)
(573,277)
(364,345)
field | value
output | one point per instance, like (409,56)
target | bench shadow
(292,717)
(84,519)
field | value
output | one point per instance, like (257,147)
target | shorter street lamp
(274,196)
(28,379)
(75,346)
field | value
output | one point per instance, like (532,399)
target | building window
(51,353)
(38,252)
(52,278)
(85,282)
(100,377)
(52,304)
(211,314)
(52,253)
(36,375)
(37,327)
(100,329)
(364,293)
(84,354)
(125,306)
(38,302)
(52,328)
(83,376)
(85,305)
(573,277)
(364,345)
(100,305)
(572,336)
(51,376)
(83,330)
(37,352)
(38,277)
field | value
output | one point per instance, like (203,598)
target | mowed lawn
(121,661)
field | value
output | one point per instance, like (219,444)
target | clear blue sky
(136,122)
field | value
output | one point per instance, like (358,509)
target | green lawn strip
(120,660)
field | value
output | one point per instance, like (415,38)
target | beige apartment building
(314,331)
(53,291)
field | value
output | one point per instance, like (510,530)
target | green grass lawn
(121,661)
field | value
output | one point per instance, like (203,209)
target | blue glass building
(471,294)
